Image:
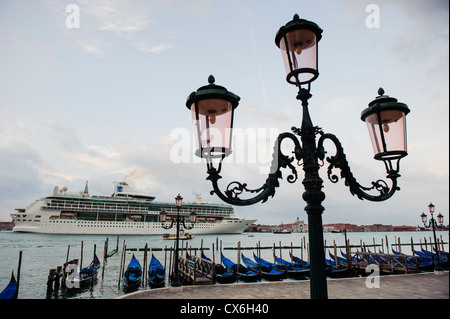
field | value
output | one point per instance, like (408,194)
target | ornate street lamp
(440,219)
(385,117)
(433,224)
(179,220)
(424,218)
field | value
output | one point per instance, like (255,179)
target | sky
(96,90)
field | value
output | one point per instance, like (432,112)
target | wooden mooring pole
(19,267)
(50,280)
(63,284)
(122,258)
(81,259)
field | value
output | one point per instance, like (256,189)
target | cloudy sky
(95,91)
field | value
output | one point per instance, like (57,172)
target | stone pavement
(409,286)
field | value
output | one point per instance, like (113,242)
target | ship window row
(95,209)
(114,224)
(117,217)
(203,212)
(199,210)
(96,206)
(157,225)
(98,224)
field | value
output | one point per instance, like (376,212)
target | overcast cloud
(106,101)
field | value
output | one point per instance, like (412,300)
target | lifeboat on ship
(68,215)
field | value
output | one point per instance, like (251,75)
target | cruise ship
(125,212)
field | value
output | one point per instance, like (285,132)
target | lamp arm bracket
(168,226)
(185,227)
(339,161)
(279,160)
(431,222)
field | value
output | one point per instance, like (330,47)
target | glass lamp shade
(178,200)
(193,218)
(212,109)
(162,217)
(440,218)
(386,122)
(298,41)
(431,208)
(424,218)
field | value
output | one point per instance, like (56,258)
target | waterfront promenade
(409,286)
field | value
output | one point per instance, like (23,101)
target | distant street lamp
(434,224)
(179,220)
(212,109)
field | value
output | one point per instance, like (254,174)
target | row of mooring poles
(57,276)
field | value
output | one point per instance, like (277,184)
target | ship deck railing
(123,210)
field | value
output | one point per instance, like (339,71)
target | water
(42,252)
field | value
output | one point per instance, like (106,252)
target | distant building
(267,228)
(404,228)
(298,226)
(342,227)
(253,229)
(377,227)
(6,225)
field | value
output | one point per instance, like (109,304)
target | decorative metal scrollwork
(279,160)
(339,161)
(235,189)
(178,219)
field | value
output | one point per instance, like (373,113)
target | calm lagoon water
(42,252)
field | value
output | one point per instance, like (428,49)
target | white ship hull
(234,226)
(124,213)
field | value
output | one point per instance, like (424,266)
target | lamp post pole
(176,277)
(313,196)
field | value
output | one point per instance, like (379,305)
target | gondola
(133,274)
(266,273)
(156,273)
(10,292)
(423,255)
(424,263)
(339,271)
(223,274)
(243,273)
(87,275)
(353,259)
(299,262)
(293,271)
(443,257)
(331,270)
(341,260)
(268,264)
